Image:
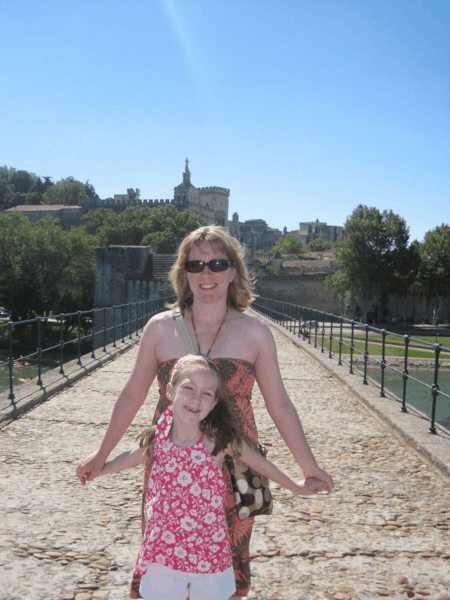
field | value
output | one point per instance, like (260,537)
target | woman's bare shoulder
(158,327)
(252,326)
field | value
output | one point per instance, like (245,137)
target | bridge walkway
(384,532)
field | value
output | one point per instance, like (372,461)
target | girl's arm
(261,465)
(128,403)
(123,461)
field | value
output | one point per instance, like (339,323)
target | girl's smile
(193,397)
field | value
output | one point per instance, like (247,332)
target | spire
(186,173)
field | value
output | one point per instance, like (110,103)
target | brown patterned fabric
(239,378)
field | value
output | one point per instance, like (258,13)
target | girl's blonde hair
(222,424)
(240,294)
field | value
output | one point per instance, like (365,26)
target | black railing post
(93,332)
(104,328)
(383,361)
(123,323)
(405,373)
(39,351)
(61,344)
(316,319)
(11,364)
(435,387)
(323,329)
(79,336)
(331,336)
(341,320)
(130,320)
(351,347)
(114,326)
(366,354)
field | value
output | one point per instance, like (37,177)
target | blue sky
(304,109)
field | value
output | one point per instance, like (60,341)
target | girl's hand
(321,475)
(90,468)
(311,486)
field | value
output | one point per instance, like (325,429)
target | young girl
(185,547)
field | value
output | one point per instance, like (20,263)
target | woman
(213,290)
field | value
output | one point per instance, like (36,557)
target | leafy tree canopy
(65,191)
(434,269)
(374,258)
(162,227)
(44,268)
(319,245)
(287,245)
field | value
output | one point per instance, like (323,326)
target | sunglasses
(216,265)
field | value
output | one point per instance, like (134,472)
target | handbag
(251,490)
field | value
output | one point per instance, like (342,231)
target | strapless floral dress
(239,378)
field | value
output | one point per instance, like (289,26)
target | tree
(66,191)
(319,245)
(434,269)
(287,245)
(90,190)
(44,268)
(374,258)
(162,227)
(23,181)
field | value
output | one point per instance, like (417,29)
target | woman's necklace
(215,337)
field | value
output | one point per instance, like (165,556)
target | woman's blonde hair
(240,289)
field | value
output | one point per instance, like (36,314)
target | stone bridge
(383,533)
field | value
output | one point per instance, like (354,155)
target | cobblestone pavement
(383,533)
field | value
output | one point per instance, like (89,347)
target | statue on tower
(186,165)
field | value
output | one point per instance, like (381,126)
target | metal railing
(322,328)
(89,330)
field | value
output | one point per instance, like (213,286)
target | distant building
(318,230)
(69,216)
(254,233)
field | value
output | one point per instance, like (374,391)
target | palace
(211,203)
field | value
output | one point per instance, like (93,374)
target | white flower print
(218,536)
(168,537)
(171,465)
(195,489)
(210,518)
(184,478)
(199,541)
(204,566)
(166,446)
(206,494)
(216,501)
(198,456)
(193,558)
(154,533)
(188,524)
(180,552)
(160,559)
(215,548)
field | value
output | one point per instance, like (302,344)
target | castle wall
(305,290)
(114,267)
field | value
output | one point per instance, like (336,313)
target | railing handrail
(133,317)
(294,316)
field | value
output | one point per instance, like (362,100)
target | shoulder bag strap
(184,332)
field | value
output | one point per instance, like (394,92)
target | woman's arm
(261,465)
(128,403)
(281,409)
(126,460)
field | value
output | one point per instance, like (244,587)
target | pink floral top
(185,528)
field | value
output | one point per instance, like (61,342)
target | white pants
(162,583)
